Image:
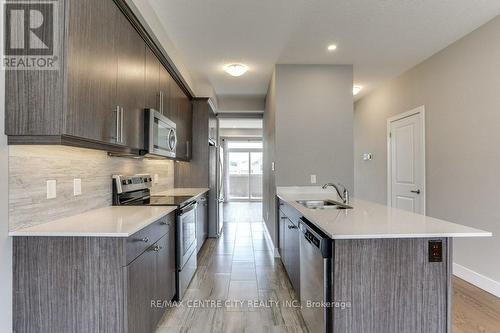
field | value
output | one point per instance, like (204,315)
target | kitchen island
(390,270)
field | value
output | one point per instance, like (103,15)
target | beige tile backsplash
(31,166)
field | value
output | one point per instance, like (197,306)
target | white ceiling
(381,38)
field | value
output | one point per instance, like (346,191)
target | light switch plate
(51,189)
(313,179)
(272,166)
(77,186)
(156,179)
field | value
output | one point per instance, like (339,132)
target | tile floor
(239,266)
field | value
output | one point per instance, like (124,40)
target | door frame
(227,150)
(419,110)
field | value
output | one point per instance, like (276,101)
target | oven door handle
(188,208)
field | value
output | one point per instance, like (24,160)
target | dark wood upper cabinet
(166,83)
(91,71)
(110,71)
(152,80)
(130,83)
(181,113)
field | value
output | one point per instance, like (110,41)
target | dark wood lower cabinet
(165,275)
(140,292)
(93,284)
(288,244)
(292,253)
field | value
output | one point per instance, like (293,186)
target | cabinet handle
(187,150)
(145,240)
(292,227)
(161,101)
(164,223)
(121,126)
(157,248)
(117,134)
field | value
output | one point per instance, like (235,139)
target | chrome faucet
(345,193)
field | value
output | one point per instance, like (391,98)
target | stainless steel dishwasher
(315,278)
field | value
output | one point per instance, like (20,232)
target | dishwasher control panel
(314,240)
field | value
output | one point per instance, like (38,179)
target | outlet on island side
(51,189)
(313,179)
(77,187)
(435,251)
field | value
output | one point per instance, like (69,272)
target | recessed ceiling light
(236,69)
(332,47)
(356,90)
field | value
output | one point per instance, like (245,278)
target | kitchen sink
(323,204)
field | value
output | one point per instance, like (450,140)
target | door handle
(416,192)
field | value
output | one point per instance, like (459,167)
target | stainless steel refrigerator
(216,194)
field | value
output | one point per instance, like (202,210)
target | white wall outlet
(313,179)
(77,186)
(51,189)
(156,179)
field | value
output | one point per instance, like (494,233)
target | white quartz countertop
(193,192)
(371,220)
(113,221)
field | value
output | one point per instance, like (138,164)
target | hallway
(239,266)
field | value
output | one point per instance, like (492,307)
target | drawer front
(290,212)
(144,238)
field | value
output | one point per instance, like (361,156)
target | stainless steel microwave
(160,137)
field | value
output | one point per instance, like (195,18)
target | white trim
(269,241)
(481,281)
(419,110)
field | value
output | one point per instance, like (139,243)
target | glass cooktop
(170,200)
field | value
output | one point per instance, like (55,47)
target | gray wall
(269,148)
(460,88)
(5,242)
(314,124)
(308,129)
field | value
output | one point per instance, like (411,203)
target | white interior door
(407,162)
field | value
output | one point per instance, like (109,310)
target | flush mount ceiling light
(332,47)
(356,90)
(236,69)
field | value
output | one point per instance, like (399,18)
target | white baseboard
(269,241)
(481,281)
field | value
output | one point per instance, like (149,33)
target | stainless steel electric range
(135,191)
